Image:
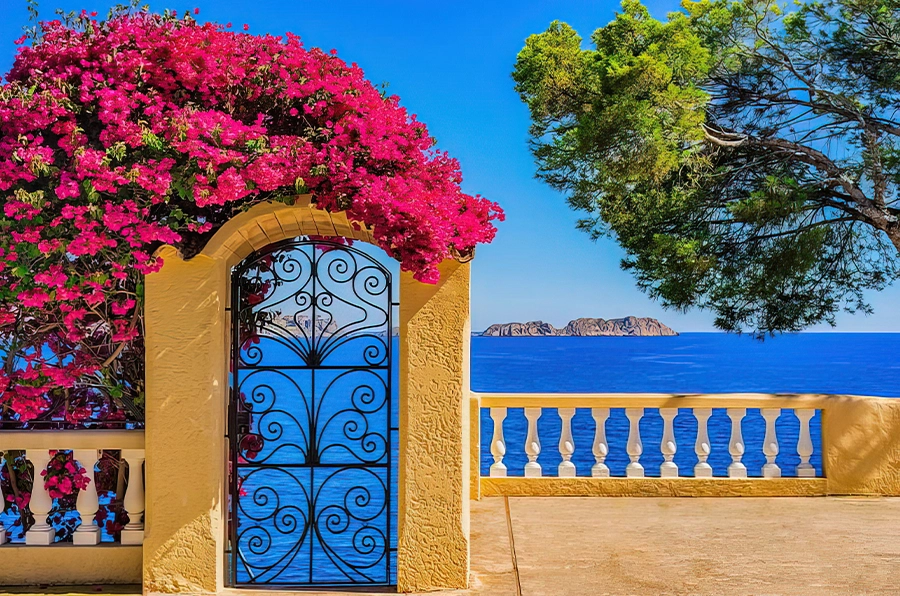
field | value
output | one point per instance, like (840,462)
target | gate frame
(235,435)
(187,377)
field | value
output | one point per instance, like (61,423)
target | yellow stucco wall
(185,424)
(652,487)
(474,447)
(861,445)
(62,565)
(187,336)
(433,545)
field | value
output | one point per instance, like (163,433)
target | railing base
(43,537)
(62,564)
(86,537)
(132,537)
(653,487)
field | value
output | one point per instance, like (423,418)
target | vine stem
(14,483)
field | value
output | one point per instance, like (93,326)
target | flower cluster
(119,136)
(64,475)
(62,479)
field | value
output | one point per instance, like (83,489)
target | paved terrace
(571,546)
(655,546)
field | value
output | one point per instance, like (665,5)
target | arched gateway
(270,431)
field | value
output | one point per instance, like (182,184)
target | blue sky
(450,62)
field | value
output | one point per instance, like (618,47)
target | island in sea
(584,327)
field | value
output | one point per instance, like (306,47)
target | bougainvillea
(62,479)
(122,135)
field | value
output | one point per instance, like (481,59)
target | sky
(450,63)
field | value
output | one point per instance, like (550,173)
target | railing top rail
(72,439)
(818,401)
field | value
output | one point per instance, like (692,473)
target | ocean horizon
(691,362)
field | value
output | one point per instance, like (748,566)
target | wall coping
(71,439)
(815,401)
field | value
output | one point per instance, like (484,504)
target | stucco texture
(69,565)
(653,487)
(187,382)
(433,545)
(861,439)
(184,439)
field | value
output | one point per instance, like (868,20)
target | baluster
(668,469)
(87,503)
(566,468)
(532,443)
(770,443)
(133,533)
(2,503)
(701,447)
(804,445)
(601,447)
(498,444)
(40,534)
(736,446)
(634,447)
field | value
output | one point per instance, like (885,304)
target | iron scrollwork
(310,417)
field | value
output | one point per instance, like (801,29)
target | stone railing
(856,438)
(86,447)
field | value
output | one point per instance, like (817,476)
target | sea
(836,363)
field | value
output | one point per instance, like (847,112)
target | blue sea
(840,363)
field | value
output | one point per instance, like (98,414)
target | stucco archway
(187,380)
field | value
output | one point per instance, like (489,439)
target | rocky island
(584,327)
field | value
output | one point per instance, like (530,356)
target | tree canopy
(120,135)
(746,155)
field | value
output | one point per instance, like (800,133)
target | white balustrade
(770,444)
(532,443)
(87,503)
(498,445)
(86,447)
(668,469)
(804,445)
(41,533)
(634,448)
(133,533)
(601,447)
(736,444)
(702,447)
(566,468)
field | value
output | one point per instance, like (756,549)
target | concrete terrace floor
(572,546)
(654,546)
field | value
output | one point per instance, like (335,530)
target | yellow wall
(63,565)
(187,380)
(861,445)
(433,546)
(185,424)
(652,487)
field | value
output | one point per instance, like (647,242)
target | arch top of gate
(321,302)
(268,223)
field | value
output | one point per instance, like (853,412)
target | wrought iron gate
(310,418)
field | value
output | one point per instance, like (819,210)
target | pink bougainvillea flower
(123,135)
